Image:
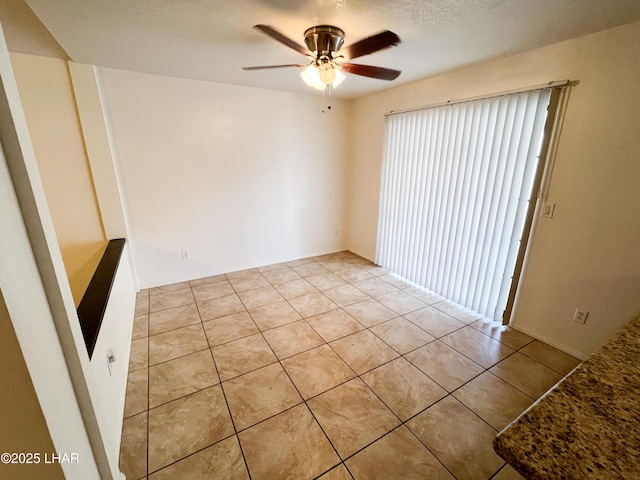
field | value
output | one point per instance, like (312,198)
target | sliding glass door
(456,186)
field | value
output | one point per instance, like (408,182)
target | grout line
(224,395)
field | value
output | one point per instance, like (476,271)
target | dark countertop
(588,425)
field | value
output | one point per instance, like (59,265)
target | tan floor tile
(397,455)
(403,388)
(401,302)
(180,377)
(479,347)
(139,356)
(346,295)
(308,269)
(313,304)
(292,338)
(142,305)
(363,351)
(458,312)
(508,473)
(260,394)
(137,397)
(186,425)
(396,281)
(493,399)
(206,280)
(272,267)
(169,288)
(133,446)
(526,375)
(317,370)
(299,261)
(325,281)
(338,473)
(374,270)
(334,264)
(223,459)
(289,446)
(351,257)
(274,315)
(334,324)
(443,364)
(260,297)
(503,333)
(173,318)
(353,274)
(551,357)
(265,396)
(424,294)
(242,356)
(401,334)
(242,273)
(375,287)
(282,275)
(140,326)
(171,299)
(220,307)
(248,282)
(209,291)
(458,438)
(356,259)
(434,321)
(176,343)
(352,416)
(232,327)
(295,288)
(370,312)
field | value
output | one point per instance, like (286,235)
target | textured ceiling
(213,39)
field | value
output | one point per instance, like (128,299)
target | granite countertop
(588,425)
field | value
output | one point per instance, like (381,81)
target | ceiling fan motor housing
(324,39)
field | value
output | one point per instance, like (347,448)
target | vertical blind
(455,185)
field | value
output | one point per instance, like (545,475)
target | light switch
(548,209)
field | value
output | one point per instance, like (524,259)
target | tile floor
(327,367)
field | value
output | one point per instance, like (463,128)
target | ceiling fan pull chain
(328,106)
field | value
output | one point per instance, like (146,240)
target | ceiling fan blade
(371,44)
(273,33)
(371,72)
(266,67)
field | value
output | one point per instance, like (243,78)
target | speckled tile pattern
(586,427)
(326,367)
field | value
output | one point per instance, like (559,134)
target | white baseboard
(551,341)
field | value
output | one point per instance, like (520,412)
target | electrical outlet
(186,254)
(580,315)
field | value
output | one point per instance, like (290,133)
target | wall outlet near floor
(580,315)
(186,254)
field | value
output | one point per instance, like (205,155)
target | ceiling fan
(323,44)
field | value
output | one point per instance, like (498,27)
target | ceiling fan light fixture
(311,77)
(339,77)
(327,73)
(320,77)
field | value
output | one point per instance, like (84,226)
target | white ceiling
(212,39)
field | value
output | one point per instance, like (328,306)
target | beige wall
(47,99)
(241,177)
(22,424)
(587,255)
